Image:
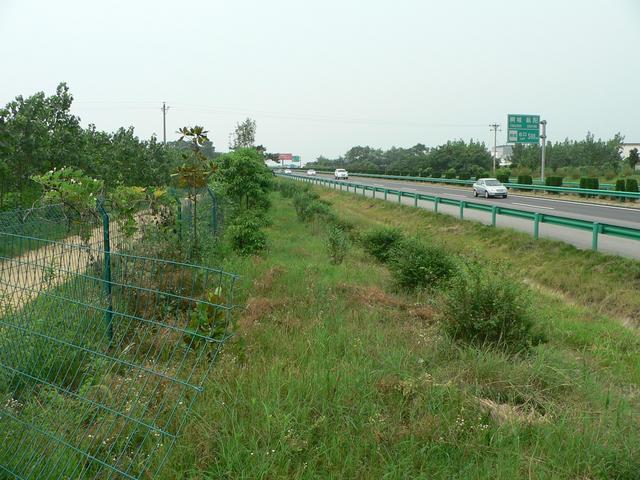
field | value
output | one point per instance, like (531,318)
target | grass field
(334,373)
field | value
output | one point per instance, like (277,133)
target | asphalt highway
(611,214)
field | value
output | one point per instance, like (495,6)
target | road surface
(615,215)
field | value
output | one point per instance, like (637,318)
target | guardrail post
(374,192)
(536,225)
(415,200)
(494,213)
(386,191)
(436,204)
(462,208)
(106,274)
(399,196)
(594,237)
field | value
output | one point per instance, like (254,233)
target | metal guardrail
(596,228)
(613,194)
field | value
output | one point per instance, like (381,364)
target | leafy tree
(244,177)
(195,171)
(633,158)
(244,135)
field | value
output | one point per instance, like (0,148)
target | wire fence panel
(101,355)
(52,222)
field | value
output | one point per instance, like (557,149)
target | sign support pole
(543,136)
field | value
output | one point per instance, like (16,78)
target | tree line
(456,156)
(569,158)
(39,133)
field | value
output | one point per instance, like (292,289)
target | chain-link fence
(101,352)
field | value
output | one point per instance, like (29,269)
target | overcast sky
(322,76)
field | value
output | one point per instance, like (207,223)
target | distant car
(341,174)
(489,187)
(287,171)
(311,172)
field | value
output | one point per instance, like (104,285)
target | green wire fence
(102,352)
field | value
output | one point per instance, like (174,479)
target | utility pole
(543,136)
(164,122)
(495,127)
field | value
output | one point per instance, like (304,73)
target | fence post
(106,274)
(179,219)
(494,213)
(374,192)
(536,225)
(415,200)
(399,196)
(386,191)
(436,203)
(594,237)
(462,208)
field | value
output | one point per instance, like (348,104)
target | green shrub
(503,177)
(590,183)
(436,174)
(464,176)
(310,207)
(484,306)
(620,187)
(631,186)
(245,234)
(380,242)
(415,264)
(525,179)
(288,188)
(337,244)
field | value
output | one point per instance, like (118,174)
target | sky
(322,76)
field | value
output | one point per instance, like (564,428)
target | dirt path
(25,277)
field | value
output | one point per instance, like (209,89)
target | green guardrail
(596,228)
(512,180)
(613,194)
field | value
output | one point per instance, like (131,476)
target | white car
(341,174)
(287,171)
(489,187)
(311,172)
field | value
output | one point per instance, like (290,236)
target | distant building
(625,150)
(503,155)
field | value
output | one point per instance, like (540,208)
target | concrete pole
(543,136)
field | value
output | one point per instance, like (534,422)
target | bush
(380,242)
(464,176)
(553,181)
(436,174)
(288,188)
(415,264)
(503,177)
(631,186)
(620,187)
(525,179)
(337,244)
(245,234)
(487,307)
(309,206)
(591,183)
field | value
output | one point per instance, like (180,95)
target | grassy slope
(333,375)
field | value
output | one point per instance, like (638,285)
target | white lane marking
(582,204)
(456,195)
(377,185)
(412,189)
(532,206)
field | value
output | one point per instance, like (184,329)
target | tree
(633,158)
(194,173)
(244,135)
(244,177)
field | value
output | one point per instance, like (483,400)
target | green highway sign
(523,128)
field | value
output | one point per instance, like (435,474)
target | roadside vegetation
(517,360)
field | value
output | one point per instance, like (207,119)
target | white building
(503,155)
